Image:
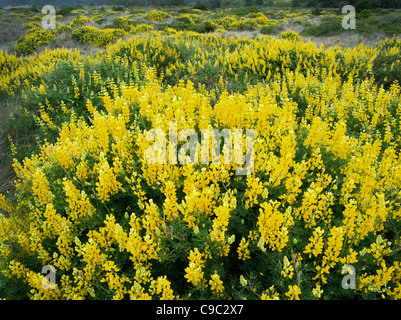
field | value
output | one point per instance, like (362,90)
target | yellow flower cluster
(231,22)
(156,15)
(33,39)
(95,36)
(216,285)
(80,20)
(194,273)
(274,225)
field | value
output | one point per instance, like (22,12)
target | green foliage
(118,8)
(66,98)
(329,26)
(200,5)
(36,36)
(65,11)
(187,19)
(359,4)
(365,13)
(290,35)
(316,11)
(241,12)
(60,90)
(78,21)
(363,5)
(387,65)
(92,35)
(208,26)
(267,29)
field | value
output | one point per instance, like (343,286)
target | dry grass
(347,40)
(242,34)
(11,30)
(342,40)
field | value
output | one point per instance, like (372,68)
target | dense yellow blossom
(194,273)
(274,225)
(315,245)
(216,285)
(293,292)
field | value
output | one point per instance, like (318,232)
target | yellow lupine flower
(42,90)
(243,251)
(76,92)
(107,183)
(79,205)
(162,287)
(331,252)
(376,283)
(288,269)
(194,273)
(270,294)
(255,188)
(315,245)
(273,226)
(152,221)
(317,292)
(41,187)
(293,292)
(170,203)
(216,284)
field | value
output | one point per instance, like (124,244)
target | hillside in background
(39,3)
(359,4)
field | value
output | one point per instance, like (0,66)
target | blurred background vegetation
(211,4)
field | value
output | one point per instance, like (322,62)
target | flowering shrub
(80,20)
(34,38)
(226,22)
(324,194)
(235,23)
(260,18)
(8,62)
(19,73)
(290,35)
(388,62)
(37,36)
(122,23)
(129,26)
(139,28)
(95,36)
(156,15)
(186,18)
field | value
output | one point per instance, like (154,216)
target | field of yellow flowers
(323,198)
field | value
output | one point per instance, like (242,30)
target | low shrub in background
(93,35)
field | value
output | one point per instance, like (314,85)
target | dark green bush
(183,10)
(118,8)
(329,26)
(365,13)
(386,66)
(240,12)
(316,11)
(204,27)
(267,29)
(184,19)
(200,5)
(363,5)
(65,11)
